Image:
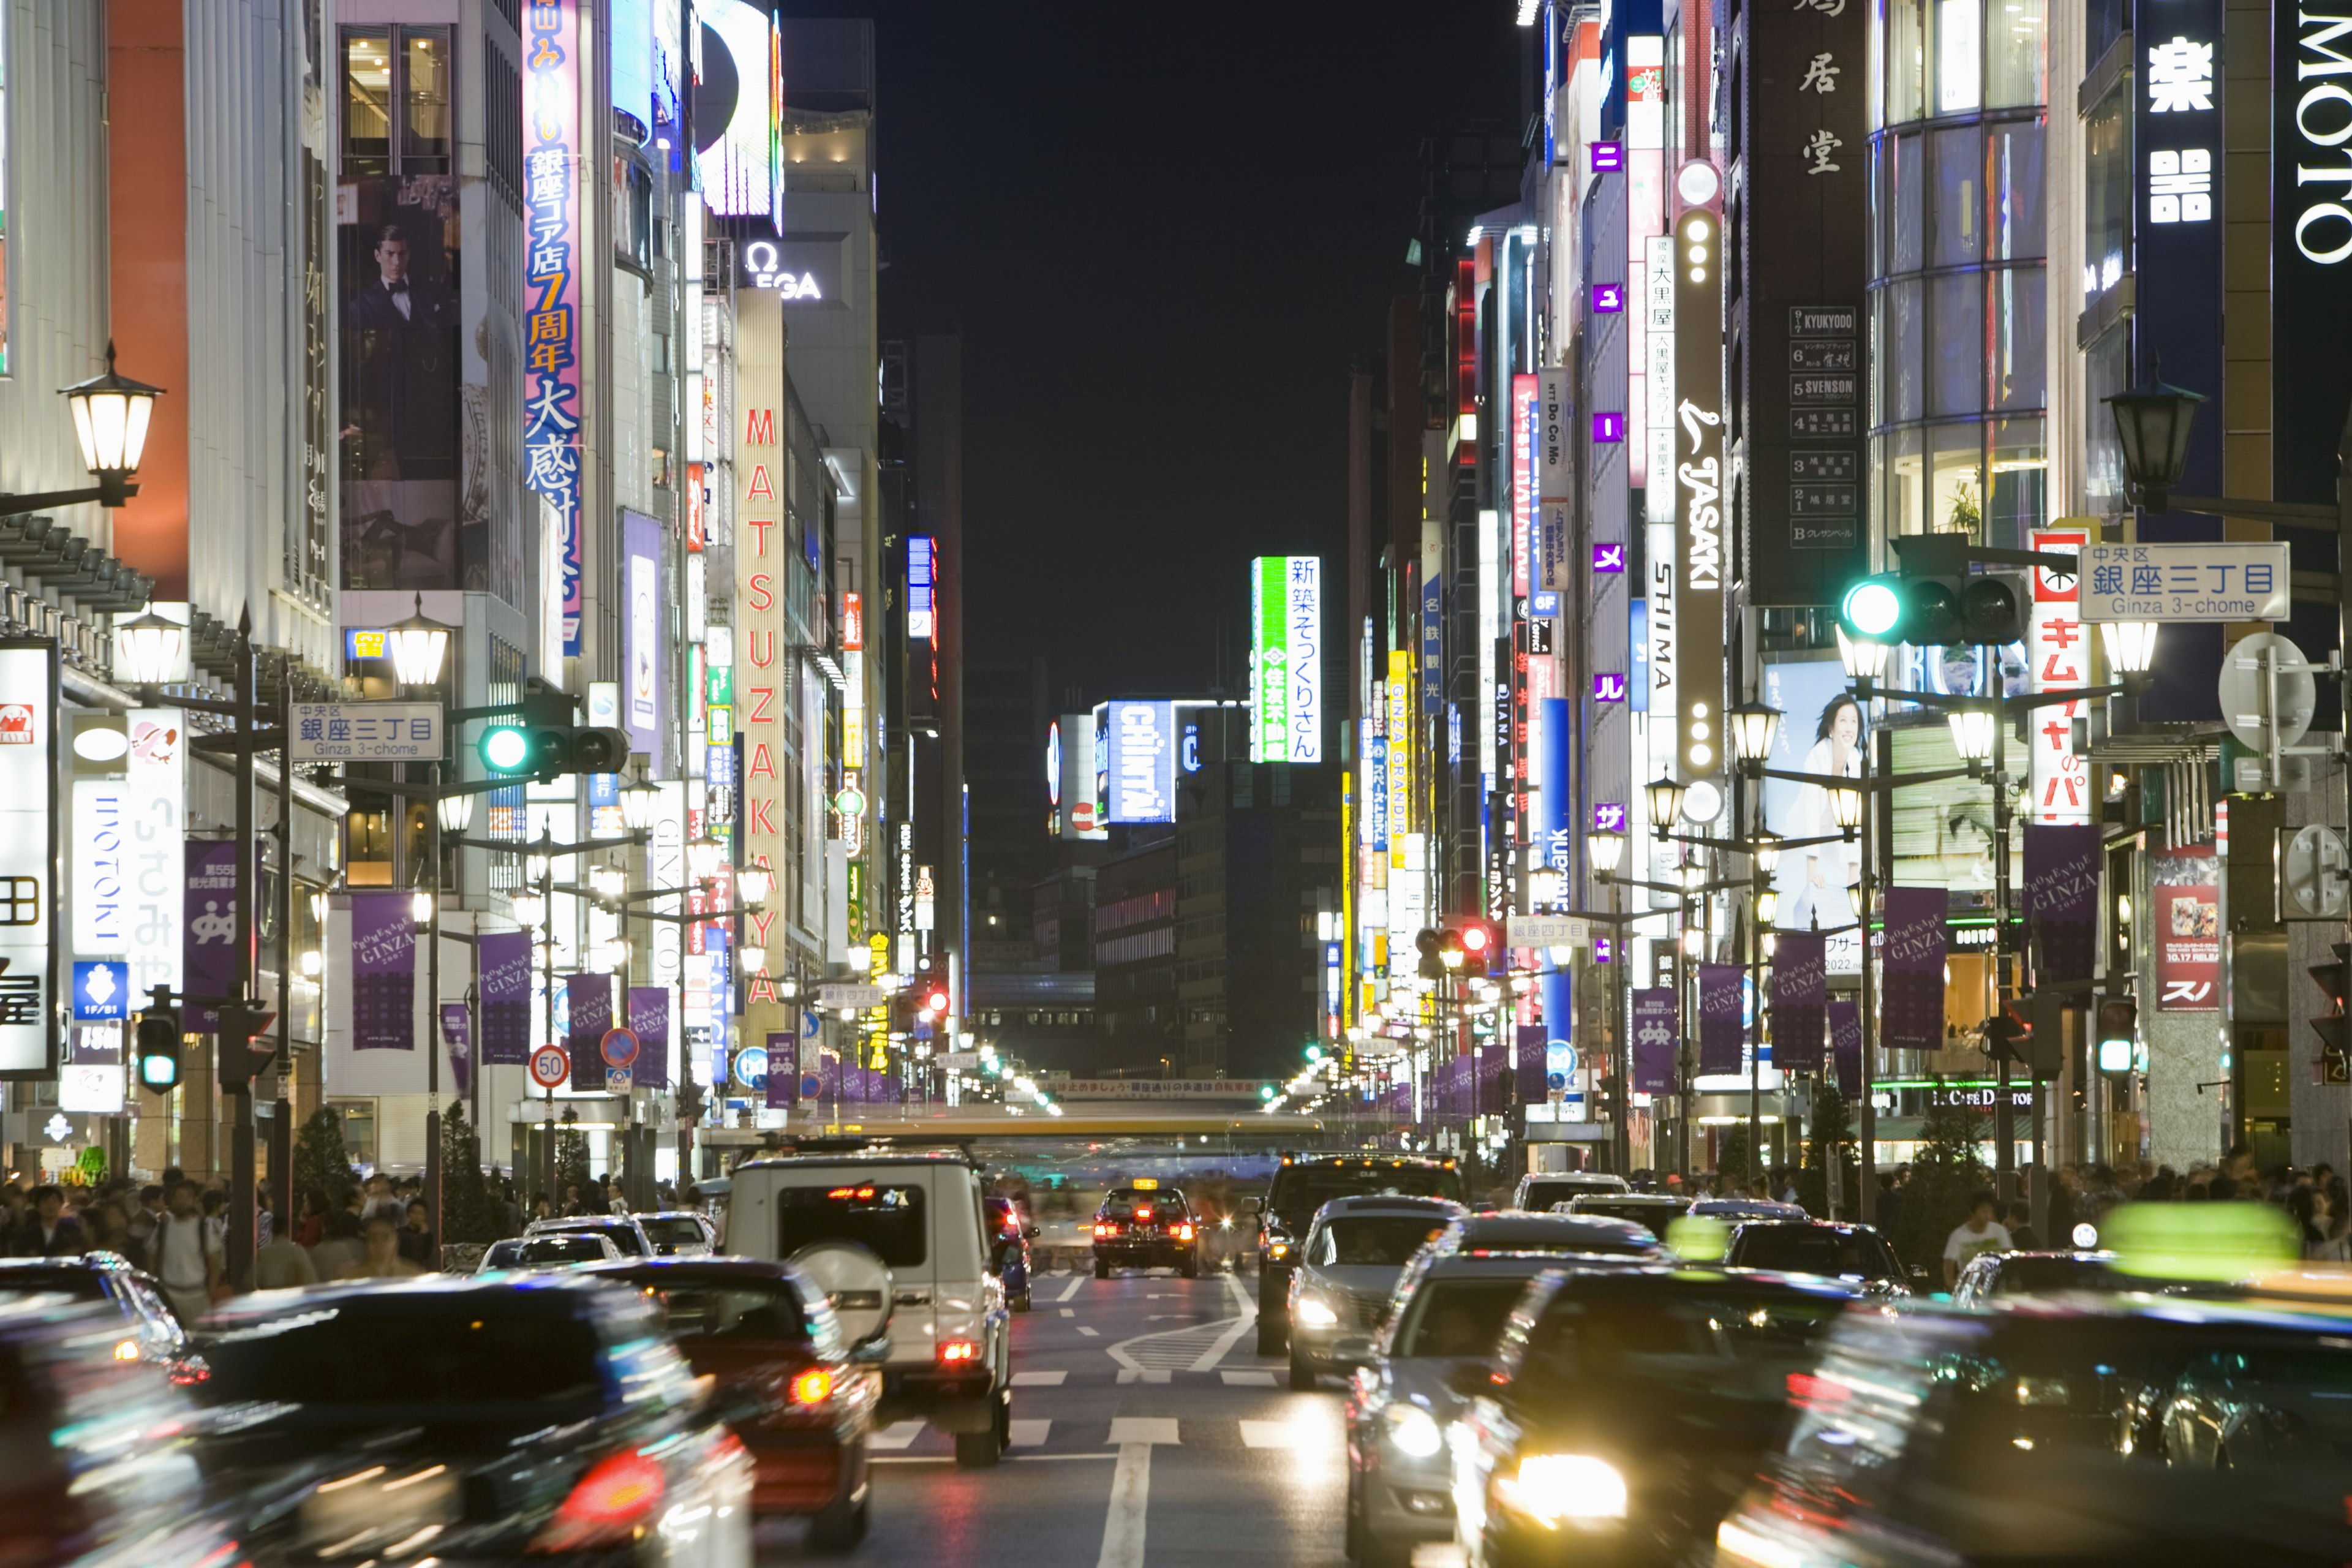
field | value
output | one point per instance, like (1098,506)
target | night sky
(1167,235)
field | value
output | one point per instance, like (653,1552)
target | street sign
(2315,874)
(549,1066)
(101,989)
(366,733)
(1548,931)
(2212,582)
(967,1060)
(849,994)
(2267,690)
(618,1047)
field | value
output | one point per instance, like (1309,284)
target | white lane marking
(1130,1492)
(1144,1375)
(1072,1288)
(1231,1336)
(1246,1379)
(1069,1312)
(1030,1434)
(1038,1379)
(1269,1435)
(1126,1429)
(1009,1458)
(1090,1334)
(897,1434)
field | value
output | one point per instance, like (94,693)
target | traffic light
(1432,945)
(1478,947)
(2335,1027)
(2118,1033)
(241,1023)
(935,1001)
(2009,1035)
(1937,609)
(158,1043)
(542,740)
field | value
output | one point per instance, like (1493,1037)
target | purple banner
(590,997)
(505,959)
(1528,1063)
(2062,896)
(784,1069)
(1799,991)
(1911,1011)
(1655,1041)
(1719,1034)
(1845,1046)
(457,1036)
(383,972)
(649,1021)
(208,934)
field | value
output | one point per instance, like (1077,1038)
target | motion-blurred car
(110,1276)
(1303,1185)
(1746,1208)
(1626,1408)
(1654,1211)
(1539,1190)
(622,1231)
(97,1466)
(800,1399)
(679,1233)
(1854,1253)
(564,1249)
(2040,1431)
(1509,1230)
(1449,1312)
(1354,1252)
(465,1420)
(1991,1275)
(1146,1226)
(1009,1234)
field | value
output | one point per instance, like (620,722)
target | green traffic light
(505,748)
(159,1072)
(1873,609)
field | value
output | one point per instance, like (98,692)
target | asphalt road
(1145,1430)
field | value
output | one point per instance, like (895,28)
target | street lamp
(2131,646)
(109,414)
(1544,886)
(530,909)
(2152,422)
(1864,657)
(419,645)
(455,811)
(1768,906)
(704,857)
(1845,809)
(1607,847)
(640,806)
(1973,728)
(607,881)
(1766,850)
(147,650)
(1753,727)
(420,909)
(1665,798)
(755,883)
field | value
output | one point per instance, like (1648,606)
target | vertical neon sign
(552,273)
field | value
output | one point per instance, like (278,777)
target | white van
(899,1242)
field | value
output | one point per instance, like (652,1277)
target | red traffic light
(936,1002)
(1476,938)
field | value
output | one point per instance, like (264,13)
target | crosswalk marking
(1090,1334)
(1030,1434)
(1069,1312)
(1143,1429)
(897,1434)
(1038,1379)
(1269,1435)
(1072,1288)
(1246,1379)
(1146,1374)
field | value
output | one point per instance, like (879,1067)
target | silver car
(1355,1251)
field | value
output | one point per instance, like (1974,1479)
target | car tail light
(813,1386)
(1183,1233)
(610,1504)
(1142,1214)
(1104,1228)
(959,1353)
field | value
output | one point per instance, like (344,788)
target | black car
(1854,1253)
(2076,1431)
(1302,1184)
(1994,1274)
(100,1467)
(1626,1409)
(110,1276)
(1146,1226)
(496,1417)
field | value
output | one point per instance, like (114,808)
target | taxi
(1143,1225)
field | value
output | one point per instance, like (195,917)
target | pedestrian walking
(186,1253)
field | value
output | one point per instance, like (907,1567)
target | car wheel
(1272,1335)
(1102,1269)
(1021,1302)
(1191,1269)
(840,1526)
(1302,1374)
(977,1450)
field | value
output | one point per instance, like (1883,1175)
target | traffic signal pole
(2004,1126)
(231,1026)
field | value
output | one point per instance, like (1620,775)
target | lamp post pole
(232,1022)
(433,1161)
(2004,1128)
(1867,1174)
(281,1130)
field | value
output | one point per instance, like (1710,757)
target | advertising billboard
(28,854)
(554,149)
(1823,732)
(1287,658)
(738,104)
(1071,753)
(1143,741)
(642,632)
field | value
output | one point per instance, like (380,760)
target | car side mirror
(1032,1231)
(1471,1379)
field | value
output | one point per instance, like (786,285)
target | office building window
(396,101)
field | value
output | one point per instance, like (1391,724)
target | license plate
(368,1514)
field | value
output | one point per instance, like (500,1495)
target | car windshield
(464,1349)
(1554,1236)
(2022,1274)
(622,1237)
(1815,1250)
(1376,1240)
(1541,1196)
(735,1309)
(1641,1211)
(82,1284)
(1302,1189)
(886,1221)
(673,1231)
(1618,1341)
(1457,1316)
(547,1249)
(1166,1204)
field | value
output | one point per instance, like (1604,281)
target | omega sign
(766,269)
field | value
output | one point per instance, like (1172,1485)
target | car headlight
(1413,1433)
(1315,1314)
(1572,1486)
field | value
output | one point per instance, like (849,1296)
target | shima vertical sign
(552,163)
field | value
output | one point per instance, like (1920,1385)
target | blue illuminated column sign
(921,622)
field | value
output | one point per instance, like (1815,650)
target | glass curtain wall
(1958,289)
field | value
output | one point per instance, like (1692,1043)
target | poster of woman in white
(1822,731)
